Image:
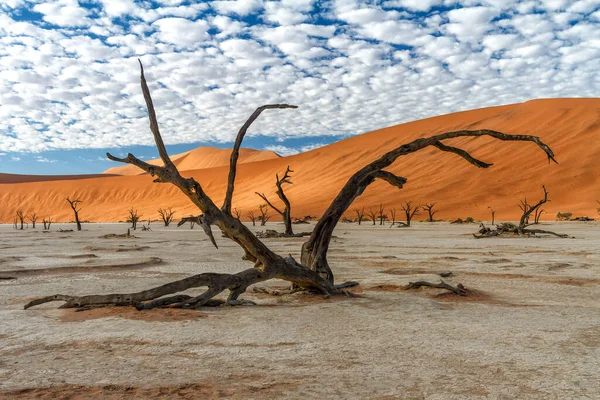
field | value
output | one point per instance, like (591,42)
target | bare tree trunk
(314,274)
(21,217)
(429,208)
(75,205)
(493,216)
(286,213)
(360,215)
(167,215)
(410,212)
(252,217)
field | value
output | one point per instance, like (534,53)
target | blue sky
(69,83)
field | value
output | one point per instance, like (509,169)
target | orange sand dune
(570,126)
(200,158)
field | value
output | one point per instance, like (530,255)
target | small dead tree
(313,272)
(598,209)
(430,211)
(521,229)
(537,215)
(192,219)
(76,207)
(381,215)
(33,217)
(237,213)
(167,215)
(409,212)
(372,215)
(264,214)
(47,222)
(524,206)
(252,217)
(493,216)
(21,217)
(286,213)
(393,215)
(134,218)
(360,215)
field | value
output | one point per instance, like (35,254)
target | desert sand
(569,126)
(530,329)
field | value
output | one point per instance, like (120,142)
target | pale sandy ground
(531,332)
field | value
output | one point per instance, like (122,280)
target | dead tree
(134,218)
(286,213)
(508,228)
(598,209)
(493,216)
(264,214)
(360,215)
(409,212)
(252,217)
(372,215)
(47,222)
(312,273)
(167,215)
(192,219)
(33,218)
(381,215)
(237,213)
(393,215)
(537,215)
(429,208)
(20,217)
(524,206)
(76,207)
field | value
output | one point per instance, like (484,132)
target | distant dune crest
(200,158)
(570,126)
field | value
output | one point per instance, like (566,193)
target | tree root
(458,289)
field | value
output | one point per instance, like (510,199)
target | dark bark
(286,212)
(252,217)
(33,218)
(134,218)
(76,207)
(264,214)
(313,273)
(20,218)
(430,212)
(360,215)
(409,212)
(167,215)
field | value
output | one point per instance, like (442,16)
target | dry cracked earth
(529,329)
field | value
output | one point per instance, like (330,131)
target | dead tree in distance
(409,212)
(372,215)
(76,207)
(167,215)
(493,216)
(430,212)
(393,215)
(237,213)
(286,213)
(133,218)
(252,217)
(264,214)
(313,273)
(21,217)
(33,217)
(381,215)
(360,215)
(47,222)
(508,228)
(537,214)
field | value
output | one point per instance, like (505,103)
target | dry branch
(312,273)
(458,289)
(286,213)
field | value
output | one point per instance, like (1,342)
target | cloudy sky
(69,81)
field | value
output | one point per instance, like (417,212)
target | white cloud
(239,7)
(282,150)
(71,79)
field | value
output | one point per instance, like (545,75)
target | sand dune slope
(570,126)
(200,158)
